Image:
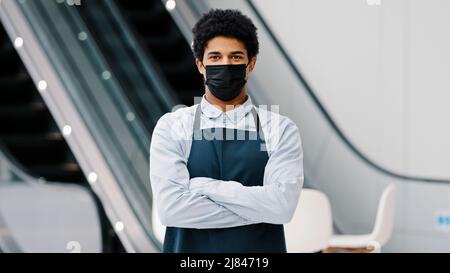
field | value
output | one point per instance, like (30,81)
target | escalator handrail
(164,90)
(13,165)
(327,116)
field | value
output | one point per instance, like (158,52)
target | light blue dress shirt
(203,202)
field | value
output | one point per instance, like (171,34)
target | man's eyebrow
(232,53)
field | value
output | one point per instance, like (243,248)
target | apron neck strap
(198,113)
(197,119)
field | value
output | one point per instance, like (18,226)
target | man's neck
(226,105)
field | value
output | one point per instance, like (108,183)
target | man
(226,175)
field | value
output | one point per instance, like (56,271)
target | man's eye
(237,57)
(214,57)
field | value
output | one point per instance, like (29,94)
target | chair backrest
(158,228)
(311,226)
(384,223)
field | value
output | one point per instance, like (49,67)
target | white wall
(383,73)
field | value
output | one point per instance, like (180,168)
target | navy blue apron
(227,158)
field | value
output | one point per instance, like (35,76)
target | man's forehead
(225,45)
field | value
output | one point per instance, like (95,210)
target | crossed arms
(204,202)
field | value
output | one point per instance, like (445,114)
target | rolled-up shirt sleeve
(177,206)
(274,202)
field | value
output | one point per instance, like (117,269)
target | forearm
(179,207)
(274,203)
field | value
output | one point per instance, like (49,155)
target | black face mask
(225,81)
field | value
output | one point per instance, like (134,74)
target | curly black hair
(229,23)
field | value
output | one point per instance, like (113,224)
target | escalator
(162,40)
(30,137)
(98,86)
(27,129)
(33,140)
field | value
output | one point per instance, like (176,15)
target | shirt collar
(235,115)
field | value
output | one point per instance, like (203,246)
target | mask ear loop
(249,62)
(204,79)
(246,66)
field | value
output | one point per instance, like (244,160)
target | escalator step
(32,117)
(36,106)
(169,39)
(158,25)
(65,172)
(6,48)
(19,80)
(17,92)
(9,64)
(38,148)
(12,81)
(149,4)
(3,34)
(165,52)
(151,15)
(15,96)
(185,66)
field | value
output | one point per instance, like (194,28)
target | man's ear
(200,66)
(251,65)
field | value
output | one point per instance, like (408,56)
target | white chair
(384,225)
(158,228)
(311,226)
